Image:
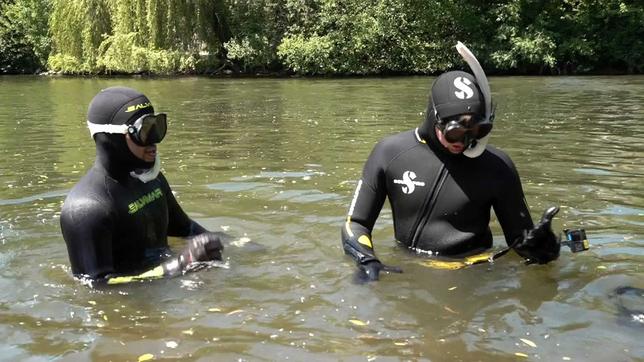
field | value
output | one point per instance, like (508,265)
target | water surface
(275,161)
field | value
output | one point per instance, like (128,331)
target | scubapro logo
(409,185)
(464,91)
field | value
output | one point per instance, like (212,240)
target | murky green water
(275,161)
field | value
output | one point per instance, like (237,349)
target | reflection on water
(273,163)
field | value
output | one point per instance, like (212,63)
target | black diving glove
(370,271)
(203,247)
(541,245)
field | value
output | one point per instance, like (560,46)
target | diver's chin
(150,154)
(456,148)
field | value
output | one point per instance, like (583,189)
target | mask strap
(106,128)
(439,121)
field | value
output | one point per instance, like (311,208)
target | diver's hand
(540,244)
(203,247)
(371,270)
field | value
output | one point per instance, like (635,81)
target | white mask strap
(106,128)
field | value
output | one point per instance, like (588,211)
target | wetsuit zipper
(420,223)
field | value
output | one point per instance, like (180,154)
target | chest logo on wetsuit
(463,92)
(144,200)
(409,185)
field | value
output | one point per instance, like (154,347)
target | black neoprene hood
(457,92)
(118,105)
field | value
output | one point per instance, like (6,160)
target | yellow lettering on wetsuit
(144,200)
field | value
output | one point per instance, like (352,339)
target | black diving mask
(465,131)
(148,129)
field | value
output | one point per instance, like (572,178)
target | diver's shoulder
(399,141)
(91,189)
(498,156)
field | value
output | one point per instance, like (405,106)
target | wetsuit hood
(452,93)
(117,106)
(113,155)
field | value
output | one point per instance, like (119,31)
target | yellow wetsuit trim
(150,274)
(364,240)
(457,264)
(418,136)
(348,226)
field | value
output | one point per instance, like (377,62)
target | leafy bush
(24,42)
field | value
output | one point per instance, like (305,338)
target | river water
(273,162)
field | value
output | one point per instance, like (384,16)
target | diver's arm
(365,207)
(87,225)
(536,244)
(179,223)
(356,231)
(203,247)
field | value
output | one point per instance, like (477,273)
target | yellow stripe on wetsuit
(150,274)
(458,264)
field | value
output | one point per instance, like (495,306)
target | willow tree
(76,29)
(132,36)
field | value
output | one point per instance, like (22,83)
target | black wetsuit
(115,224)
(440,201)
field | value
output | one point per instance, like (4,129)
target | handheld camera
(576,240)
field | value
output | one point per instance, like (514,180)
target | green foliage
(320,37)
(251,52)
(77,29)
(131,36)
(24,44)
(310,55)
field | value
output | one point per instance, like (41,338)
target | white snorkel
(481,79)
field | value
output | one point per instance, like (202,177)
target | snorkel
(477,148)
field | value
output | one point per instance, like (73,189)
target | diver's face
(145,153)
(455,148)
(459,132)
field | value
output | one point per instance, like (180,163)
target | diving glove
(203,247)
(370,271)
(541,245)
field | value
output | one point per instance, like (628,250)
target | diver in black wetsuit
(116,220)
(442,180)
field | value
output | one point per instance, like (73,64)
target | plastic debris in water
(171,344)
(450,310)
(528,342)
(188,332)
(240,242)
(357,322)
(519,354)
(146,357)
